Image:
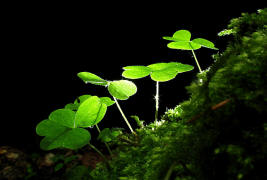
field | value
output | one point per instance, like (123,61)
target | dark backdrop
(45,46)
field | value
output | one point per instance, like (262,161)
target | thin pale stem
(169,172)
(157,101)
(124,117)
(109,150)
(196,61)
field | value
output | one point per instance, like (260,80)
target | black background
(46,45)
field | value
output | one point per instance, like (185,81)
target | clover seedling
(65,128)
(159,72)
(74,106)
(121,89)
(181,40)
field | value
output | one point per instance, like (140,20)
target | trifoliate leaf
(58,136)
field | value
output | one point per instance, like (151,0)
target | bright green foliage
(58,136)
(90,112)
(182,41)
(107,101)
(122,89)
(64,117)
(74,106)
(92,78)
(64,129)
(136,72)
(158,72)
(225,32)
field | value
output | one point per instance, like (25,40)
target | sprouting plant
(121,89)
(181,40)
(159,72)
(65,128)
(74,106)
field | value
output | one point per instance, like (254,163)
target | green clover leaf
(161,72)
(90,112)
(59,136)
(122,89)
(92,78)
(182,41)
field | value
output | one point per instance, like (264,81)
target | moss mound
(221,131)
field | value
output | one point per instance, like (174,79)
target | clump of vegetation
(219,133)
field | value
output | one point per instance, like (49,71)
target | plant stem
(169,173)
(196,61)
(102,155)
(109,150)
(124,117)
(157,101)
(195,58)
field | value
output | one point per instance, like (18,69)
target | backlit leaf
(163,71)
(135,72)
(49,128)
(92,78)
(58,136)
(204,43)
(64,117)
(107,101)
(184,45)
(122,89)
(182,35)
(184,67)
(82,98)
(90,112)
(168,38)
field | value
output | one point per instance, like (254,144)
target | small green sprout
(159,72)
(181,40)
(65,127)
(121,89)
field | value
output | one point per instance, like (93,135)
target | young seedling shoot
(74,106)
(159,72)
(121,90)
(181,40)
(65,128)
